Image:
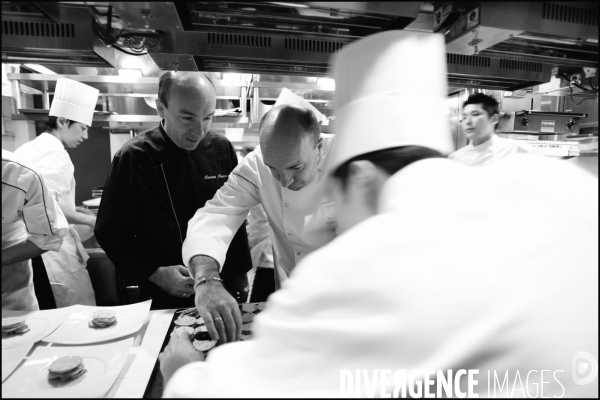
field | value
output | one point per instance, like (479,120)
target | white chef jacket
(259,241)
(66,268)
(299,222)
(28,213)
(489,151)
(456,272)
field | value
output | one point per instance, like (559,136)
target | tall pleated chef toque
(74,100)
(390,91)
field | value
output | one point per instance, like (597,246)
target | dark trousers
(264,284)
(41,285)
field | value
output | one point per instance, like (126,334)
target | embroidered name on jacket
(215,176)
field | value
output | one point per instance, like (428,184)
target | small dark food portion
(66,368)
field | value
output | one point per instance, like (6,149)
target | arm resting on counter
(20,252)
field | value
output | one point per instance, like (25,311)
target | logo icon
(585,368)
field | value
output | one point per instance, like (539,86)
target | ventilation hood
(297,39)
(32,36)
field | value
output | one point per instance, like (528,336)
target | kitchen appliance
(547,123)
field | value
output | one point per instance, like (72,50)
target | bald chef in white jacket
(67,124)
(397,295)
(32,223)
(285,175)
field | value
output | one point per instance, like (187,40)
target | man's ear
(61,122)
(320,143)
(160,108)
(495,119)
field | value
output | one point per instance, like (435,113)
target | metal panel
(70,42)
(157,15)
(397,8)
(571,20)
(495,73)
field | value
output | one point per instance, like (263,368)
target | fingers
(183,270)
(210,325)
(220,327)
(237,317)
(230,326)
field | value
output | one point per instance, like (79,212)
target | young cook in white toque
(69,119)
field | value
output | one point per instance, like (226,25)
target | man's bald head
(290,140)
(275,125)
(170,79)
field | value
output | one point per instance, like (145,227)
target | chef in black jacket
(157,181)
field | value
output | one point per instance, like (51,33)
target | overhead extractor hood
(35,38)
(541,31)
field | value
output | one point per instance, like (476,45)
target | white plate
(93,202)
(41,324)
(103,363)
(76,329)
(12,357)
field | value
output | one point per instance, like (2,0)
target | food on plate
(185,320)
(181,329)
(249,307)
(204,345)
(103,319)
(248,317)
(201,328)
(245,336)
(14,326)
(66,368)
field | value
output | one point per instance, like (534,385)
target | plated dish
(79,329)
(40,324)
(103,364)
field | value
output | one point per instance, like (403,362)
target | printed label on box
(547,126)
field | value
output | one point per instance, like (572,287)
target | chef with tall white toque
(67,125)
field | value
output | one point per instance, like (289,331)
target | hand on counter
(174,280)
(178,353)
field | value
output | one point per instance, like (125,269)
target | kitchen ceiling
(278,41)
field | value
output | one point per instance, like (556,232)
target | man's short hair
(307,120)
(488,103)
(164,85)
(390,160)
(49,123)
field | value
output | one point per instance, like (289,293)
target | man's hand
(219,310)
(178,352)
(174,280)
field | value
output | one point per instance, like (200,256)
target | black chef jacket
(154,188)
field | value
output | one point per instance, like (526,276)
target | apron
(17,279)
(67,273)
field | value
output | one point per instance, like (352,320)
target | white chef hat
(288,97)
(74,101)
(391,91)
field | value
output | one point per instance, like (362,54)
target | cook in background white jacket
(397,290)
(31,224)
(480,117)
(69,119)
